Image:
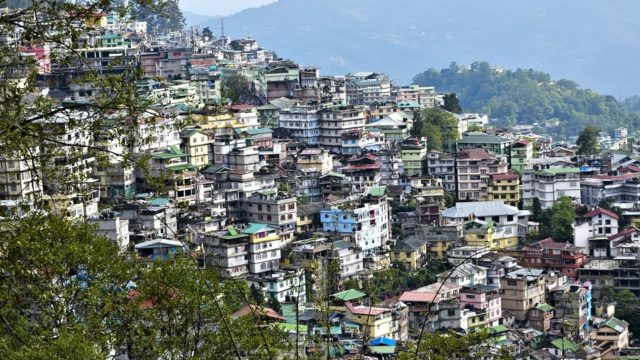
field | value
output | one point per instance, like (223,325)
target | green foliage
(238,89)
(452,345)
(397,278)
(438,126)
(65,294)
(557,221)
(536,210)
(274,304)
(627,304)
(525,96)
(452,104)
(206,32)
(160,19)
(587,141)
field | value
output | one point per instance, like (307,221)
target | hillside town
(324,195)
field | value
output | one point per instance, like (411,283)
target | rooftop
(480,209)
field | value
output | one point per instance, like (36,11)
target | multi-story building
(180,177)
(113,227)
(336,120)
(355,142)
(374,321)
(474,168)
(593,233)
(316,159)
(364,88)
(395,126)
(485,298)
(196,145)
(302,122)
(477,140)
(557,256)
(465,274)
(364,220)
(273,208)
(363,171)
(414,156)
(485,234)
(19,179)
(623,188)
(227,250)
(521,153)
(521,291)
(284,286)
(505,187)
(425,96)
(443,166)
(264,248)
(551,184)
(611,335)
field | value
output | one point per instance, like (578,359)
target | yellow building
(476,320)
(315,159)
(218,124)
(505,187)
(412,252)
(439,241)
(374,321)
(195,144)
(485,234)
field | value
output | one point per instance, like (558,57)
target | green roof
(160,201)
(556,171)
(349,295)
(259,131)
(498,329)
(383,349)
(256,228)
(377,191)
(482,138)
(616,324)
(172,152)
(292,327)
(545,307)
(267,192)
(181,167)
(232,230)
(565,345)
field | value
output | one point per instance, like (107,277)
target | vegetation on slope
(526,96)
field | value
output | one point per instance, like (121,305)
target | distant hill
(593,42)
(193,19)
(526,96)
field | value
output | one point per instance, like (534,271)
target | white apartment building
(442,166)
(335,121)
(551,184)
(303,122)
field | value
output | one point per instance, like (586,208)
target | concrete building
(443,166)
(414,156)
(336,120)
(483,297)
(557,256)
(490,143)
(273,208)
(551,184)
(196,145)
(302,122)
(521,153)
(474,168)
(521,291)
(364,88)
(264,248)
(505,187)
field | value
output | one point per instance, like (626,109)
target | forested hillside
(526,96)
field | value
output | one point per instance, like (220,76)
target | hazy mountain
(194,19)
(590,41)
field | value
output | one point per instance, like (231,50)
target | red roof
(508,176)
(625,176)
(362,167)
(624,233)
(365,310)
(550,244)
(599,210)
(241,107)
(258,310)
(629,169)
(415,296)
(522,142)
(478,154)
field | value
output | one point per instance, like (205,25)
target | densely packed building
(316,180)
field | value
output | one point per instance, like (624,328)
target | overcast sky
(220,7)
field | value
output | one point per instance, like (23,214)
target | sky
(220,7)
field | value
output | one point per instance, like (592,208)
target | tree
(161,22)
(627,304)
(561,220)
(207,33)
(451,345)
(587,141)
(237,88)
(274,304)
(452,104)
(536,210)
(438,126)
(256,295)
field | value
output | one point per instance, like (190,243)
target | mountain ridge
(583,40)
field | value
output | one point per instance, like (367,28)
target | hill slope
(527,97)
(590,41)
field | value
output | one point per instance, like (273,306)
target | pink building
(42,56)
(483,297)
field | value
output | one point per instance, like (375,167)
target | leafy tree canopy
(587,142)
(526,96)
